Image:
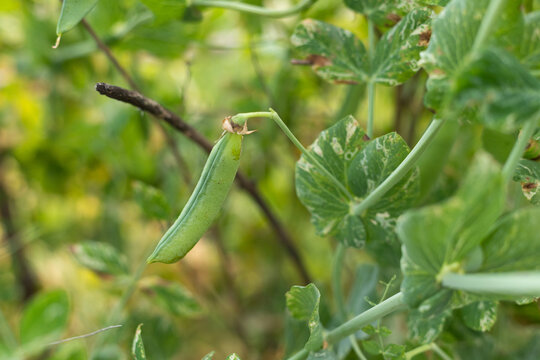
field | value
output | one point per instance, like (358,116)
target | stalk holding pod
(207,199)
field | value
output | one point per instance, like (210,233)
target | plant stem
(337,290)
(371,83)
(351,102)
(358,322)
(253,9)
(515,155)
(417,351)
(440,352)
(403,168)
(511,284)
(240,119)
(490,19)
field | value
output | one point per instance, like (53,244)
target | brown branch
(152,107)
(24,274)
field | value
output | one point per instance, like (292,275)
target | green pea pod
(207,199)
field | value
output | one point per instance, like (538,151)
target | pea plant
(451,251)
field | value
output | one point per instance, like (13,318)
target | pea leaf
(528,174)
(461,20)
(480,315)
(503,90)
(360,166)
(100,257)
(365,283)
(137,347)
(335,149)
(325,354)
(176,299)
(369,168)
(337,55)
(209,356)
(442,237)
(376,10)
(514,245)
(73,11)
(233,357)
(303,304)
(397,53)
(44,319)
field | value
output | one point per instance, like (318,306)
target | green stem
(337,290)
(515,155)
(253,9)
(358,322)
(240,119)
(380,310)
(440,352)
(371,107)
(512,284)
(371,83)
(417,351)
(490,19)
(351,102)
(403,168)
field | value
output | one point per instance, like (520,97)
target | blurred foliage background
(77,169)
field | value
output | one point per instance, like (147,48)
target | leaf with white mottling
(397,53)
(233,357)
(335,53)
(528,174)
(137,347)
(360,166)
(334,148)
(453,34)
(209,356)
(504,91)
(325,354)
(480,316)
(369,168)
(376,10)
(303,304)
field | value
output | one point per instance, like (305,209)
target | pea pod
(207,199)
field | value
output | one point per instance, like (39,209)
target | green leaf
(480,316)
(152,201)
(514,245)
(369,168)
(461,20)
(335,54)
(334,148)
(437,237)
(441,238)
(528,174)
(73,11)
(137,347)
(100,257)
(376,10)
(372,347)
(504,91)
(529,46)
(397,53)
(176,299)
(233,357)
(44,319)
(166,10)
(303,304)
(209,356)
